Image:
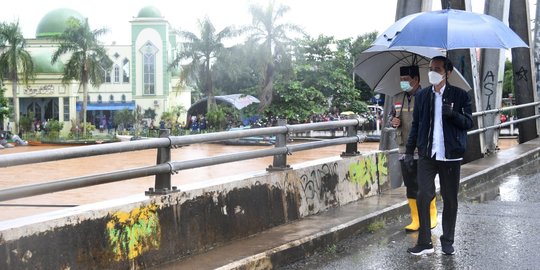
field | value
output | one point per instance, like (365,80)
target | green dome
(54,22)
(149,12)
(42,64)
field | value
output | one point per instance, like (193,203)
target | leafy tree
(297,103)
(508,82)
(124,118)
(346,96)
(237,69)
(217,117)
(15,62)
(5,110)
(201,52)
(325,64)
(360,44)
(53,128)
(267,30)
(26,122)
(88,58)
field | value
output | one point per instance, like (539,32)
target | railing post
(162,181)
(351,149)
(280,161)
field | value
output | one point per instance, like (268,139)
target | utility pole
(523,68)
(492,76)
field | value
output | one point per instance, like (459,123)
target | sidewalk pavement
(284,244)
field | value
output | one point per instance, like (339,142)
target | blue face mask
(405,86)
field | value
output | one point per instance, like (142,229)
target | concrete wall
(139,232)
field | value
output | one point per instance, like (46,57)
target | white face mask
(405,86)
(435,78)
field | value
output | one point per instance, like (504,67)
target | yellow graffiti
(354,172)
(131,234)
(371,168)
(382,166)
(364,172)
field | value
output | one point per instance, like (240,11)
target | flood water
(65,169)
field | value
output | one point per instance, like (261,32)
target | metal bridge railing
(508,123)
(165,167)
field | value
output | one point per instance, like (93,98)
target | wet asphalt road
(498,227)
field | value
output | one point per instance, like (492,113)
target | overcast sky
(338,18)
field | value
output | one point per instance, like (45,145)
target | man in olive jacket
(442,115)
(401,116)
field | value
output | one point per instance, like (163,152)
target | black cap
(411,71)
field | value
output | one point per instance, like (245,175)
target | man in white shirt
(442,115)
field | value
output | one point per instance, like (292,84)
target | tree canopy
(88,60)
(15,61)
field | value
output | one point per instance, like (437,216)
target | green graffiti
(354,172)
(364,172)
(371,167)
(382,166)
(131,234)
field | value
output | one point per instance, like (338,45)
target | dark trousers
(449,178)
(409,179)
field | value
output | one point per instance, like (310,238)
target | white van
(376,110)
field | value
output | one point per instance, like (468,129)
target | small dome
(149,12)
(42,64)
(54,22)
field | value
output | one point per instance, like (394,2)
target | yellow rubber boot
(415,222)
(433,213)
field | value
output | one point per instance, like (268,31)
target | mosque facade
(139,75)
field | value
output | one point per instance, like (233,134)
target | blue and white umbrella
(450,29)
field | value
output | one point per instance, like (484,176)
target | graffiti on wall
(131,234)
(382,167)
(488,83)
(364,171)
(322,182)
(521,74)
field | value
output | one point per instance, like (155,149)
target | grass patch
(331,249)
(375,226)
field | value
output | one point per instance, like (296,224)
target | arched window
(111,98)
(116,74)
(107,75)
(99,99)
(149,52)
(123,98)
(35,109)
(125,71)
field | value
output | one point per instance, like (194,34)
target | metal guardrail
(508,123)
(165,167)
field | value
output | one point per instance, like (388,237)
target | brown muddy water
(64,169)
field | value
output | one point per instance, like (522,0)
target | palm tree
(200,52)
(15,62)
(88,58)
(273,35)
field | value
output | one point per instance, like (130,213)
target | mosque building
(139,75)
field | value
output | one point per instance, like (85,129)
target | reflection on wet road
(497,227)
(59,170)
